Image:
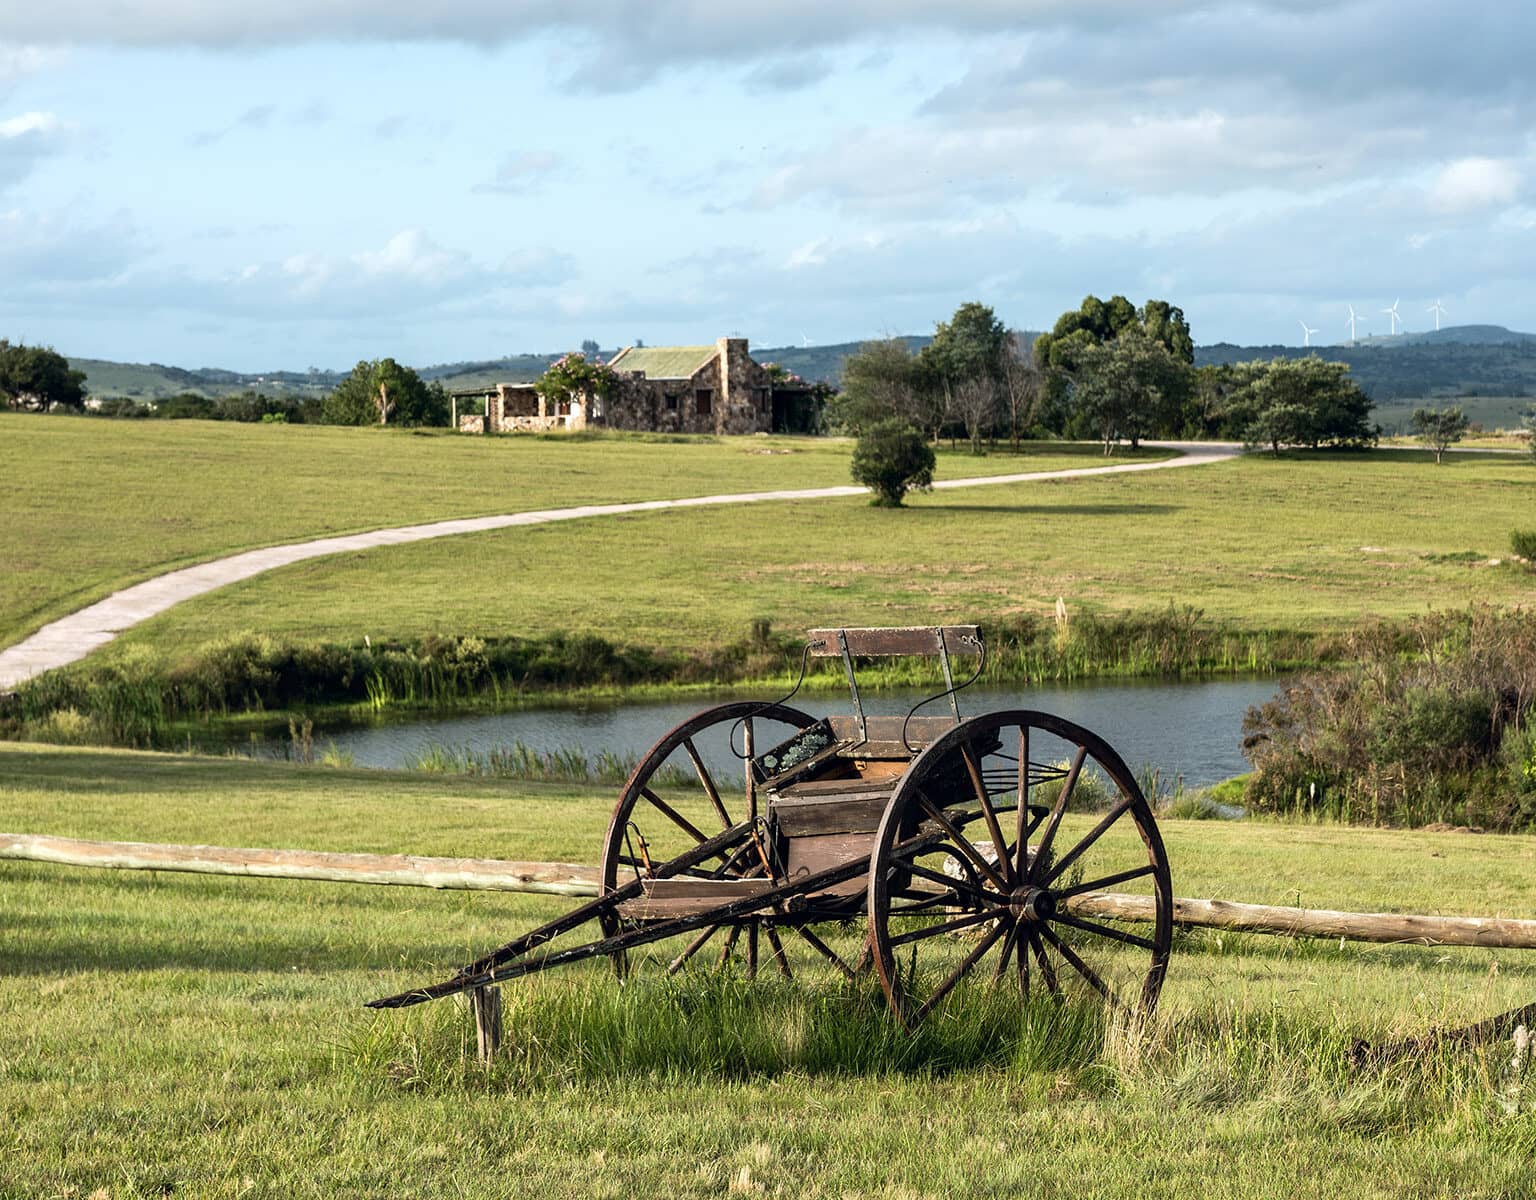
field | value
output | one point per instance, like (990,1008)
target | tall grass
(564,764)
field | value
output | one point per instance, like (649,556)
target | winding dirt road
(71,638)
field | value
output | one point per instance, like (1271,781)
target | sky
(306,183)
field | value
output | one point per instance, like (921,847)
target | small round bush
(1523,542)
(890,458)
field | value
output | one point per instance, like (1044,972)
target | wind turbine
(1439,310)
(1306,334)
(1352,319)
(1392,312)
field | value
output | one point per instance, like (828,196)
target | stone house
(661,389)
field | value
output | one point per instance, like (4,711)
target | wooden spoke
(1095,885)
(1053,822)
(956,885)
(927,903)
(1094,834)
(928,931)
(710,789)
(1008,946)
(973,769)
(1021,835)
(778,951)
(962,843)
(731,935)
(1118,935)
(752,950)
(1047,972)
(672,814)
(826,951)
(955,976)
(1080,966)
(691,949)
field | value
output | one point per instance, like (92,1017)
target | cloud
(26,140)
(1474,183)
(788,74)
(522,172)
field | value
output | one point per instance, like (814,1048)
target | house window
(703,402)
(671,403)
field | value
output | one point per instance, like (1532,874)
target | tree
(590,347)
(1127,387)
(890,458)
(1095,322)
(38,377)
(382,392)
(878,383)
(1022,381)
(1438,428)
(1528,422)
(1299,401)
(964,366)
(575,376)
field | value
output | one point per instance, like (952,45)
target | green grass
(199,1036)
(94,505)
(1317,543)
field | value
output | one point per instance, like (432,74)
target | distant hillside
(1463,361)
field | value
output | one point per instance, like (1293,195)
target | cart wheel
(1042,818)
(676,799)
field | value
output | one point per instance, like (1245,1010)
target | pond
(1181,729)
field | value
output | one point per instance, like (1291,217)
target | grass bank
(92,506)
(204,1037)
(141,699)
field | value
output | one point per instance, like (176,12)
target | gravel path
(73,637)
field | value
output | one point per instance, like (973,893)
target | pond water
(1188,729)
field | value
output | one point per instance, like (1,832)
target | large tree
(38,377)
(964,364)
(1300,401)
(878,383)
(383,392)
(1128,387)
(1096,322)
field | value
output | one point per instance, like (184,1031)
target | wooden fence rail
(571,879)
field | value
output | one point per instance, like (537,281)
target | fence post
(485,1003)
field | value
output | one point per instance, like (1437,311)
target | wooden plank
(902,640)
(721,890)
(883,737)
(468,874)
(1501,932)
(851,812)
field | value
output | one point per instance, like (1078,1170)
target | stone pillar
(737,414)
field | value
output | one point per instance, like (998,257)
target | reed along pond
(1191,730)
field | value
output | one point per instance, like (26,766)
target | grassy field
(1316,543)
(204,1037)
(94,505)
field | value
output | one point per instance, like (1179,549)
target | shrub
(1419,729)
(1523,543)
(891,458)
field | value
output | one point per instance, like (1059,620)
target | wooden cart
(930,848)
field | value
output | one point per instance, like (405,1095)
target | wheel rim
(1037,818)
(674,799)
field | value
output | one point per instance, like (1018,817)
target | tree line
(1106,370)
(376,392)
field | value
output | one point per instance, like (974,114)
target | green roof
(664,362)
